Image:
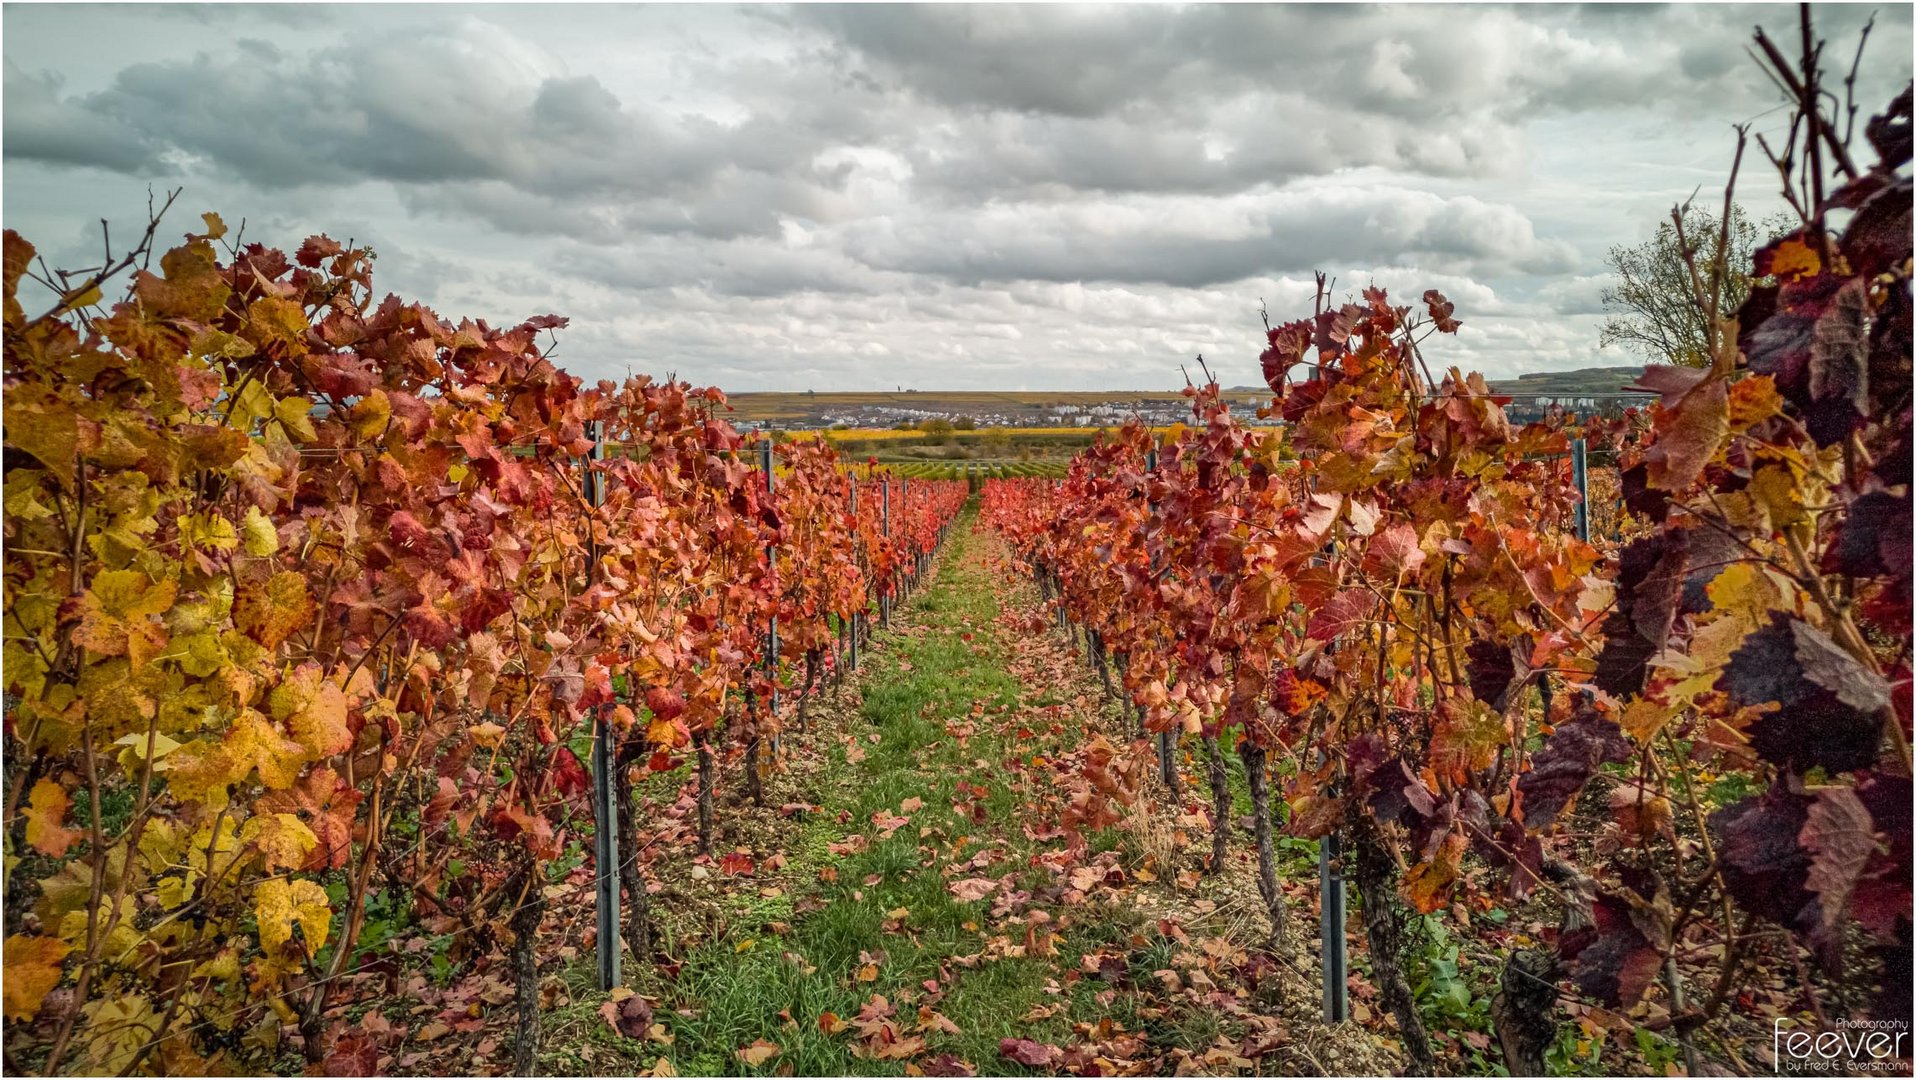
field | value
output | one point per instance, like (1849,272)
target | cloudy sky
(990,197)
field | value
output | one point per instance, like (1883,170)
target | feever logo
(1849,1047)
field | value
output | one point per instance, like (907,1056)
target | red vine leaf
(1826,705)
(1566,763)
(1840,839)
(1026,1052)
(1342,613)
(1441,311)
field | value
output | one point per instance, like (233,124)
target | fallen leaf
(974,888)
(758,1053)
(1025,1052)
(630,1015)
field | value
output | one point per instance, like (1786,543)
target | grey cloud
(300,16)
(1009,56)
(1179,244)
(1260,140)
(1581,295)
(740,268)
(733,203)
(1428,90)
(934,195)
(41,125)
(1418,62)
(411,112)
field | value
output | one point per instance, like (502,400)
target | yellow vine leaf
(295,415)
(314,709)
(23,497)
(278,903)
(1752,401)
(283,840)
(116,615)
(274,610)
(210,850)
(80,298)
(1745,589)
(40,422)
(32,971)
(275,321)
(662,733)
(120,941)
(199,654)
(257,534)
(255,742)
(45,811)
(124,1023)
(253,402)
(1777,493)
(1644,718)
(369,416)
(19,256)
(136,744)
(121,698)
(159,845)
(1428,883)
(1791,258)
(209,531)
(174,892)
(199,773)
(224,965)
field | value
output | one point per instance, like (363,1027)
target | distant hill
(1583,382)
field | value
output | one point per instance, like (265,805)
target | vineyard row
(310,593)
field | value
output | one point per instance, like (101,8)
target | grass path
(930,907)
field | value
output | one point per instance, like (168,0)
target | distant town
(1586,391)
(1155,411)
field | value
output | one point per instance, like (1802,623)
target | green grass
(725,998)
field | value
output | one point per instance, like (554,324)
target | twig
(1849,81)
(100,276)
(1724,358)
(1795,90)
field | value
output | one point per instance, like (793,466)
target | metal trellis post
(856,616)
(771,558)
(605,837)
(1333,905)
(1167,762)
(1330,884)
(1580,475)
(884,602)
